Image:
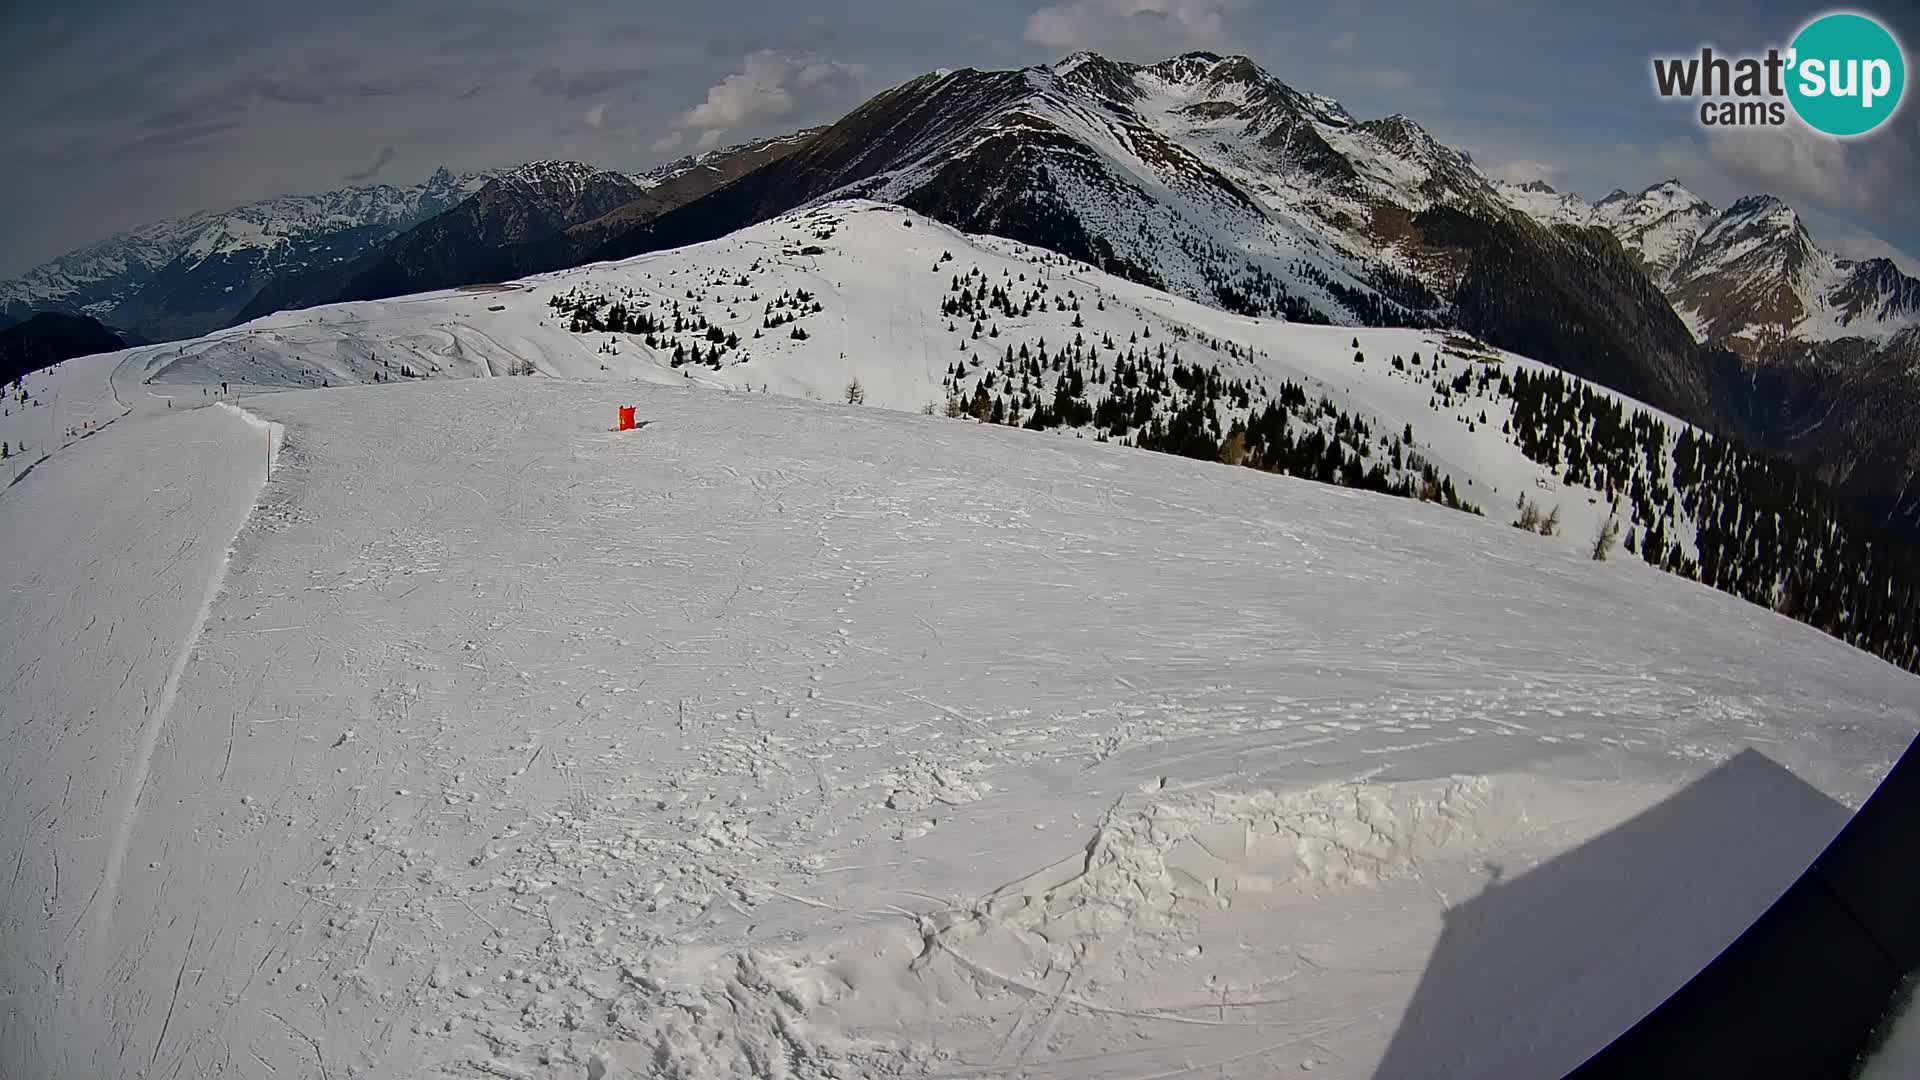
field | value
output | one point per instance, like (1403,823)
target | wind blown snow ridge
(276,434)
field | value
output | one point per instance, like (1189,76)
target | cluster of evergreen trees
(1143,393)
(789,307)
(1767,532)
(1757,527)
(682,331)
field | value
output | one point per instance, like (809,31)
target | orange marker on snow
(626,418)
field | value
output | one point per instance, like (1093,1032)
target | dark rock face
(50,337)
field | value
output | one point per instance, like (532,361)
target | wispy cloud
(770,86)
(1841,174)
(173,141)
(381,159)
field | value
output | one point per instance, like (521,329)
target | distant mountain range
(1202,175)
(1825,346)
(188,275)
(541,216)
(1748,277)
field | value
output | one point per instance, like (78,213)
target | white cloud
(597,116)
(1343,42)
(1135,29)
(1871,179)
(771,86)
(1792,161)
(668,143)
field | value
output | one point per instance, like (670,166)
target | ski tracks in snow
(144,512)
(158,712)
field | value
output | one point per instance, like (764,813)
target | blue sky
(124,113)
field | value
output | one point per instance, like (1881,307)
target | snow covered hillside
(788,738)
(858,291)
(858,300)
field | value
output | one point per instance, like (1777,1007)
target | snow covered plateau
(431,728)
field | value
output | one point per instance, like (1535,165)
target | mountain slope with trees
(873,304)
(1813,355)
(1206,176)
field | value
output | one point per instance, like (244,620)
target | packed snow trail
(114,550)
(784,739)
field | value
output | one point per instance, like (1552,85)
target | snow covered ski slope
(798,739)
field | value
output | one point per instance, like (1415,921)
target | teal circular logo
(1846,75)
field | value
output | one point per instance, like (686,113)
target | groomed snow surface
(434,729)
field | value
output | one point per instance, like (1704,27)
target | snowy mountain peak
(1658,226)
(1761,210)
(1541,201)
(1197,67)
(237,246)
(1756,221)
(554,175)
(1098,77)
(1203,84)
(1068,65)
(1671,195)
(1749,277)
(1401,133)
